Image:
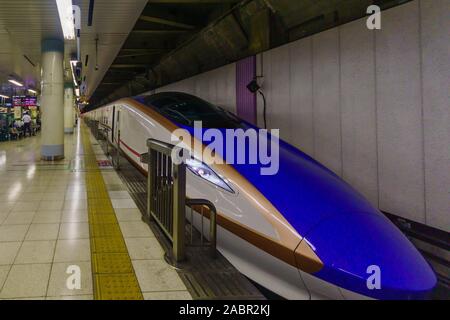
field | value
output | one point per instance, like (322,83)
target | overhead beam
(138,54)
(159,32)
(193,1)
(167,22)
(143,50)
(128,66)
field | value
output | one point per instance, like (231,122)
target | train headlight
(202,170)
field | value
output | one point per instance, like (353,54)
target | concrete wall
(217,86)
(373,106)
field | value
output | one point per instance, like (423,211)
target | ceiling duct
(91,13)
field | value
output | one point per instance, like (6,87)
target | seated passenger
(14,133)
(18,125)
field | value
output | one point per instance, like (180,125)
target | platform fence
(167,202)
(166,193)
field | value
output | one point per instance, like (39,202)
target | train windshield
(185,109)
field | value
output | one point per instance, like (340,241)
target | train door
(117,127)
(113,123)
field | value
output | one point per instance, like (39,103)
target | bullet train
(303,232)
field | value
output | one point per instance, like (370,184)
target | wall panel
(216,86)
(400,133)
(279,94)
(301,95)
(358,106)
(327,117)
(436,107)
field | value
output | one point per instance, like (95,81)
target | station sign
(19,103)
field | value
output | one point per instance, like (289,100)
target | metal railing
(101,133)
(104,134)
(166,197)
(201,203)
(116,163)
(93,125)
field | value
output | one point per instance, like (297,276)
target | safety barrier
(101,132)
(201,204)
(166,197)
(115,158)
(93,125)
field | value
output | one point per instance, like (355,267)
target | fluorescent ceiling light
(72,67)
(32,91)
(5,97)
(65,12)
(17,83)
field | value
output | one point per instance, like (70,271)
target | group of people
(23,127)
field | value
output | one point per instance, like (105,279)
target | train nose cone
(362,252)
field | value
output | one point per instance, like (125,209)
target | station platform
(58,216)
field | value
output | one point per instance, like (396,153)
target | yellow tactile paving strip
(112,271)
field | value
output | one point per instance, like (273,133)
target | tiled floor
(44,227)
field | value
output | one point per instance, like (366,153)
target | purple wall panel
(245,100)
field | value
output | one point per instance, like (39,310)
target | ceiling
(162,27)
(20,42)
(112,21)
(25,23)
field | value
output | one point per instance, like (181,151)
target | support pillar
(52,100)
(68,107)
